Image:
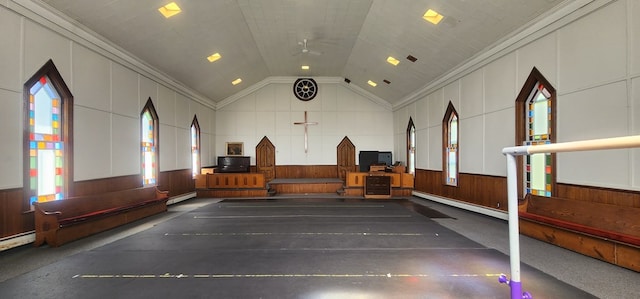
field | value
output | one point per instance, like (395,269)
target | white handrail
(512,191)
(575,146)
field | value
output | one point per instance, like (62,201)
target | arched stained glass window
(450,136)
(535,123)
(195,146)
(149,144)
(411,147)
(48,116)
(538,166)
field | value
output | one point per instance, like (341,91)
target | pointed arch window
(450,137)
(195,146)
(535,121)
(149,144)
(48,136)
(411,147)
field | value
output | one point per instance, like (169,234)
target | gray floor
(590,275)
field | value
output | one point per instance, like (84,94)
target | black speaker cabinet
(366,158)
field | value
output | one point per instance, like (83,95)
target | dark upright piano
(233,164)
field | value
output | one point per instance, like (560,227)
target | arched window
(149,144)
(195,146)
(450,134)
(535,124)
(411,147)
(48,137)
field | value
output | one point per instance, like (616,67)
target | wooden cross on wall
(306,123)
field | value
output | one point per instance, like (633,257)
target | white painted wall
(591,56)
(272,109)
(109,90)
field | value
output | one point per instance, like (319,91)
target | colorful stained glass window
(451,156)
(195,147)
(411,147)
(538,176)
(149,148)
(46,146)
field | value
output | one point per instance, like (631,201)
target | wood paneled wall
(104,185)
(491,191)
(306,171)
(625,198)
(177,182)
(484,190)
(14,221)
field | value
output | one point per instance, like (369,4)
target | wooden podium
(377,186)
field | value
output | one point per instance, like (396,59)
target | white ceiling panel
(262,38)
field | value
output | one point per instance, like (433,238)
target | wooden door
(346,157)
(266,159)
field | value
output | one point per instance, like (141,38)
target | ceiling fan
(306,50)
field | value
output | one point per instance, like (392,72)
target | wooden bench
(62,221)
(604,231)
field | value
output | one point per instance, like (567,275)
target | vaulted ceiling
(258,39)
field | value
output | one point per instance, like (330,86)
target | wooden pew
(62,221)
(604,231)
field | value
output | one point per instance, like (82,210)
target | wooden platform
(230,185)
(306,185)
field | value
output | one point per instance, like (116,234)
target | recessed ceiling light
(393,60)
(170,10)
(374,84)
(236,81)
(305,67)
(432,16)
(214,57)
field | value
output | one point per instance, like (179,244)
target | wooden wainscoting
(177,182)
(624,198)
(104,185)
(484,190)
(491,191)
(14,220)
(306,171)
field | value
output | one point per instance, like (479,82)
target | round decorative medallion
(305,89)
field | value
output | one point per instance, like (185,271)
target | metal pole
(514,234)
(512,192)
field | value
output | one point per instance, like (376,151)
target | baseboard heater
(464,205)
(17,240)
